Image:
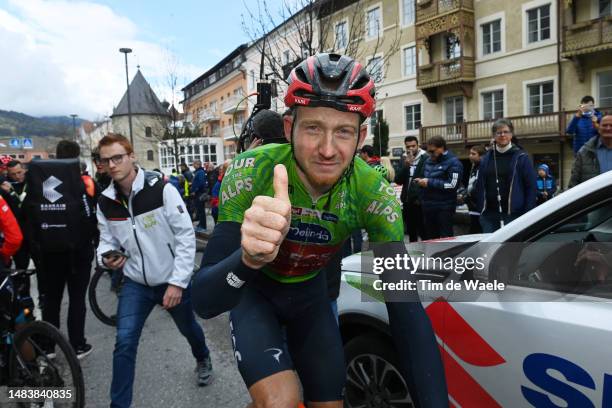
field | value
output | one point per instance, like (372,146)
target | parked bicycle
(35,354)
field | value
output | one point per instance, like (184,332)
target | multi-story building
(463,63)
(215,102)
(381,35)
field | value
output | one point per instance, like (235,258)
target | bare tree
(304,27)
(175,129)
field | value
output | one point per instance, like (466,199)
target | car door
(547,336)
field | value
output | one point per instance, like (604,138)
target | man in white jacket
(146,230)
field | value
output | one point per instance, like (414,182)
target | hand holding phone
(114,259)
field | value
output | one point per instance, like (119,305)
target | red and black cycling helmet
(4,161)
(334,81)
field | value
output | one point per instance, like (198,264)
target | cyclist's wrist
(250,262)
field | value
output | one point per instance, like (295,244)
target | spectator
(386,169)
(199,190)
(443,172)
(413,167)
(187,198)
(212,174)
(585,123)
(69,267)
(268,127)
(16,174)
(595,157)
(214,201)
(102,177)
(175,182)
(157,263)
(506,184)
(476,153)
(368,155)
(545,184)
(186,172)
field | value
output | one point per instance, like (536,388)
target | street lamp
(126,51)
(74,116)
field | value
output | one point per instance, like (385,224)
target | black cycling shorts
(313,339)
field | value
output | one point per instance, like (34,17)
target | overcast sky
(61,57)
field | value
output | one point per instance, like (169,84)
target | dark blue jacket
(443,178)
(522,196)
(199,184)
(545,185)
(582,128)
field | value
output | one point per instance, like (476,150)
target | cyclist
(285,210)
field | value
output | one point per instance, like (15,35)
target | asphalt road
(165,374)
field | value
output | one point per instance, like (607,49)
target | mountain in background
(19,124)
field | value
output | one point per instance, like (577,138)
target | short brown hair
(480,149)
(111,138)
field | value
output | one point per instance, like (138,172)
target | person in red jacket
(11,232)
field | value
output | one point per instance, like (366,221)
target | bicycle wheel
(30,365)
(103,300)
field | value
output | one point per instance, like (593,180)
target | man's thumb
(281,182)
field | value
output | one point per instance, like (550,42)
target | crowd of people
(142,223)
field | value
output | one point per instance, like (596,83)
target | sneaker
(204,372)
(83,351)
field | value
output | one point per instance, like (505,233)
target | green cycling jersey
(319,227)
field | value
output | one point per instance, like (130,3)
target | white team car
(543,341)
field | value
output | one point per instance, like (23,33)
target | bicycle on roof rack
(34,354)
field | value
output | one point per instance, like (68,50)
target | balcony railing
(234,104)
(442,72)
(427,9)
(588,36)
(227,132)
(527,126)
(209,115)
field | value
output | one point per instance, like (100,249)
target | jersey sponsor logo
(296,259)
(233,280)
(309,212)
(392,192)
(236,188)
(49,186)
(378,208)
(311,233)
(244,163)
(277,353)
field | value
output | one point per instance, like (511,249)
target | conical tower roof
(142,98)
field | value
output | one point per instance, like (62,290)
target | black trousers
(413,221)
(439,222)
(22,261)
(58,270)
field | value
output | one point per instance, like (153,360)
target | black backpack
(59,214)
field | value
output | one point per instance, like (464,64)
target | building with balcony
(215,100)
(463,63)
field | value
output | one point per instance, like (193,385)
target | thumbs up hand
(266,223)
